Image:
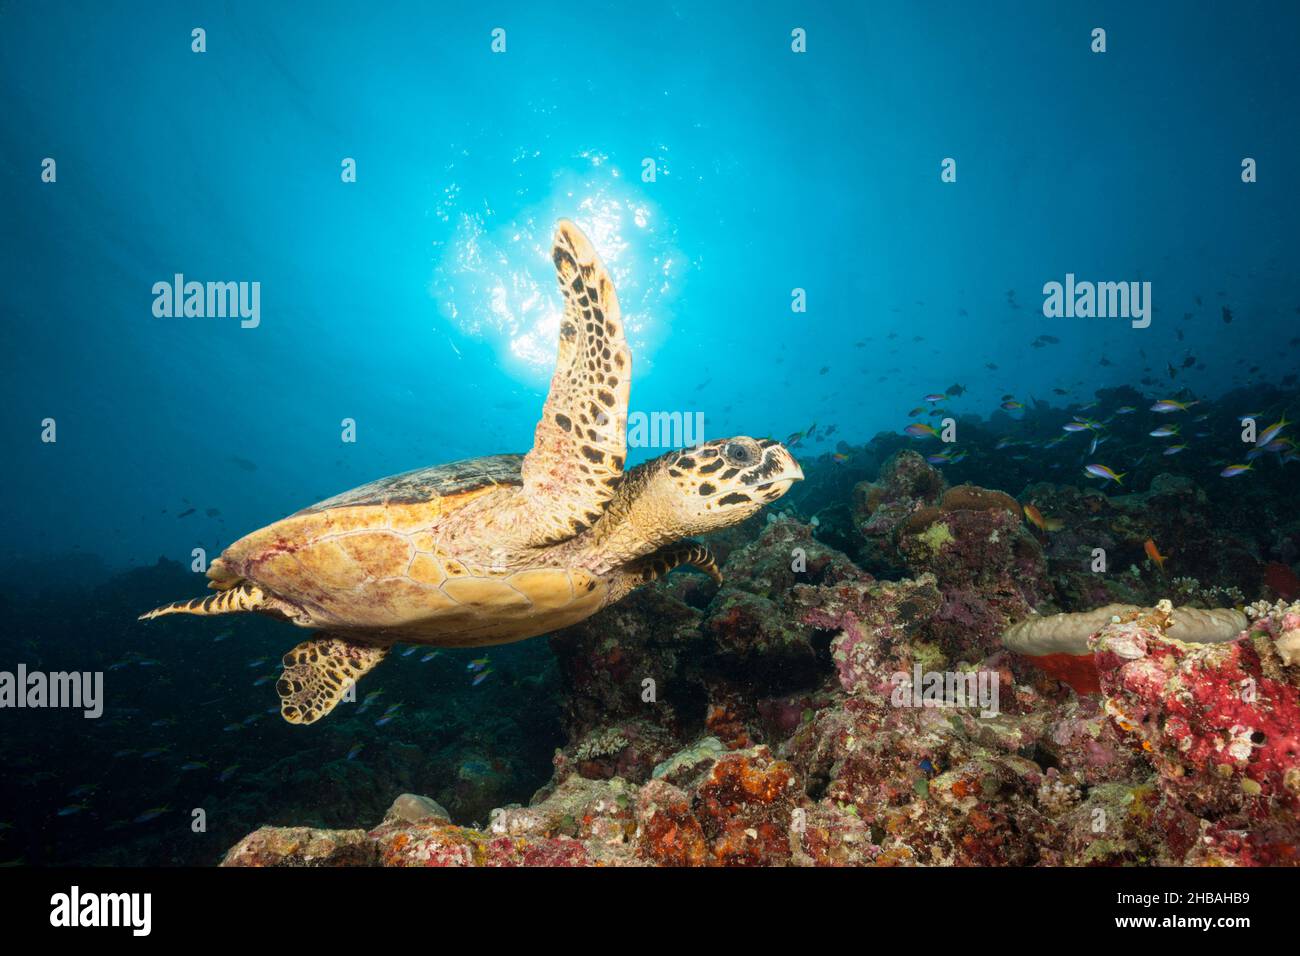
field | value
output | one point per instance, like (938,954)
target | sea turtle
(497,549)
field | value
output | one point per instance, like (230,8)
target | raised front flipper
(317,673)
(644,570)
(579,445)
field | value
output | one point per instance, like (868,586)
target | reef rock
(303,846)
(1221,723)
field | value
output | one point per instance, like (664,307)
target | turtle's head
(720,483)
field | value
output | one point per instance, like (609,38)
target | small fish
(1232,471)
(916,411)
(1037,519)
(409,651)
(231,728)
(477,665)
(193,765)
(153,813)
(1164,431)
(839,456)
(228,773)
(386,720)
(1166,405)
(1173,449)
(1125,410)
(1101,471)
(355,750)
(934,397)
(428,657)
(257,663)
(1076,426)
(1154,554)
(481,677)
(1012,405)
(186,514)
(72,809)
(921,430)
(265,679)
(1272,432)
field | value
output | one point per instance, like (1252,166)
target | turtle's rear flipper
(317,673)
(235,600)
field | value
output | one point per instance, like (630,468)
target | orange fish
(1154,554)
(1046,524)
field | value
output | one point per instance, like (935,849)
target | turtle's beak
(783,469)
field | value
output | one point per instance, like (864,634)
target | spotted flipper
(655,565)
(579,445)
(239,599)
(317,673)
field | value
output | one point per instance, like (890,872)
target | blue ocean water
(418,301)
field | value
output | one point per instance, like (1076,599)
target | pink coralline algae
(1221,724)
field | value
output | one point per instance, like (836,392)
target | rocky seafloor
(786,718)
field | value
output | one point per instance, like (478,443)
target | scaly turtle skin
(496,549)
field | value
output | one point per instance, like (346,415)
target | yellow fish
(1046,524)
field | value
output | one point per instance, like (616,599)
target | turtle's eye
(738,454)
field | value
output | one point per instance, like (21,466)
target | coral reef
(900,668)
(810,713)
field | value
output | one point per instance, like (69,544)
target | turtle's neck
(635,523)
